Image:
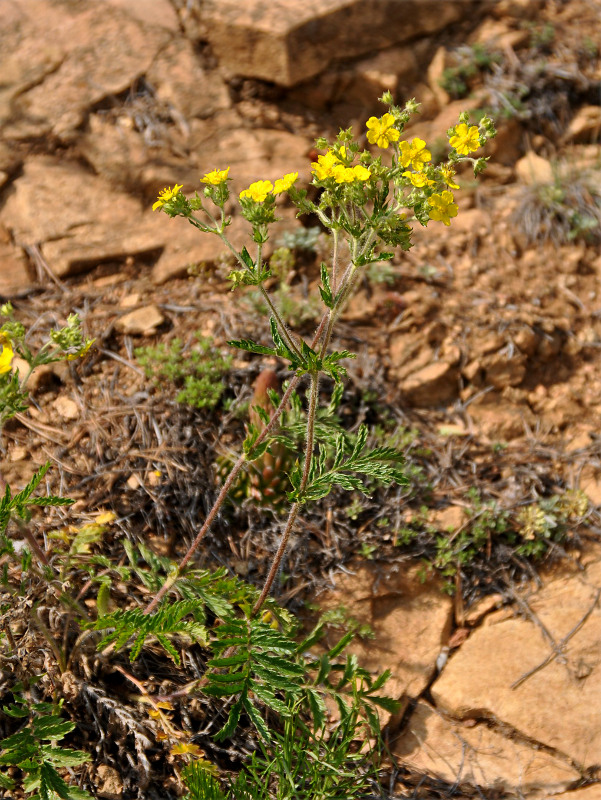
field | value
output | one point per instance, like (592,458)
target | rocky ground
(480,345)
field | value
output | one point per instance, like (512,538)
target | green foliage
(565,210)
(549,520)
(20,505)
(469,62)
(34,750)
(305,361)
(382,464)
(198,370)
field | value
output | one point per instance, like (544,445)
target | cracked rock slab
(410,620)
(288,43)
(559,704)
(436,746)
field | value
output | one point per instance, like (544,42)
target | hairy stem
(170,582)
(309,444)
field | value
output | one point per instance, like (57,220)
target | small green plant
(567,209)
(468,63)
(547,521)
(33,750)
(198,370)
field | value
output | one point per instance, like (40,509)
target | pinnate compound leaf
(52,727)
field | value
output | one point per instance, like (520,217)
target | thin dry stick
(560,646)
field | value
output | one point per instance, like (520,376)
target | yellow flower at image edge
(381,132)
(258,191)
(466,140)
(6,356)
(216,177)
(283,184)
(442,207)
(166,195)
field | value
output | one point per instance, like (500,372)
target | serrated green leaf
(230,661)
(252,347)
(318,708)
(257,720)
(232,720)
(226,690)
(281,665)
(6,782)
(263,693)
(341,644)
(274,679)
(387,703)
(51,727)
(246,257)
(50,780)
(64,757)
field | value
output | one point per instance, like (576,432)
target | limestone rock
(109,783)
(585,126)
(288,43)
(141,321)
(432,385)
(179,80)
(558,705)
(158,12)
(436,746)
(79,219)
(411,622)
(191,248)
(533,169)
(14,272)
(89,55)
(66,408)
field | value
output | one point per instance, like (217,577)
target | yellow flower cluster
(6,355)
(216,177)
(382,132)
(259,190)
(330,166)
(166,195)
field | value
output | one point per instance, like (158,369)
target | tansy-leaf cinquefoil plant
(368,201)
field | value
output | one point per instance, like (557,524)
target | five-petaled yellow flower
(258,191)
(6,355)
(283,184)
(465,140)
(414,154)
(382,132)
(324,166)
(447,174)
(418,179)
(216,177)
(166,195)
(442,207)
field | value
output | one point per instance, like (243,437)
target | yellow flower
(258,191)
(105,517)
(414,154)
(216,177)
(166,195)
(283,184)
(418,179)
(6,355)
(443,207)
(322,168)
(447,174)
(465,140)
(381,132)
(361,173)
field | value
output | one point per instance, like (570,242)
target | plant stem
(309,444)
(170,582)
